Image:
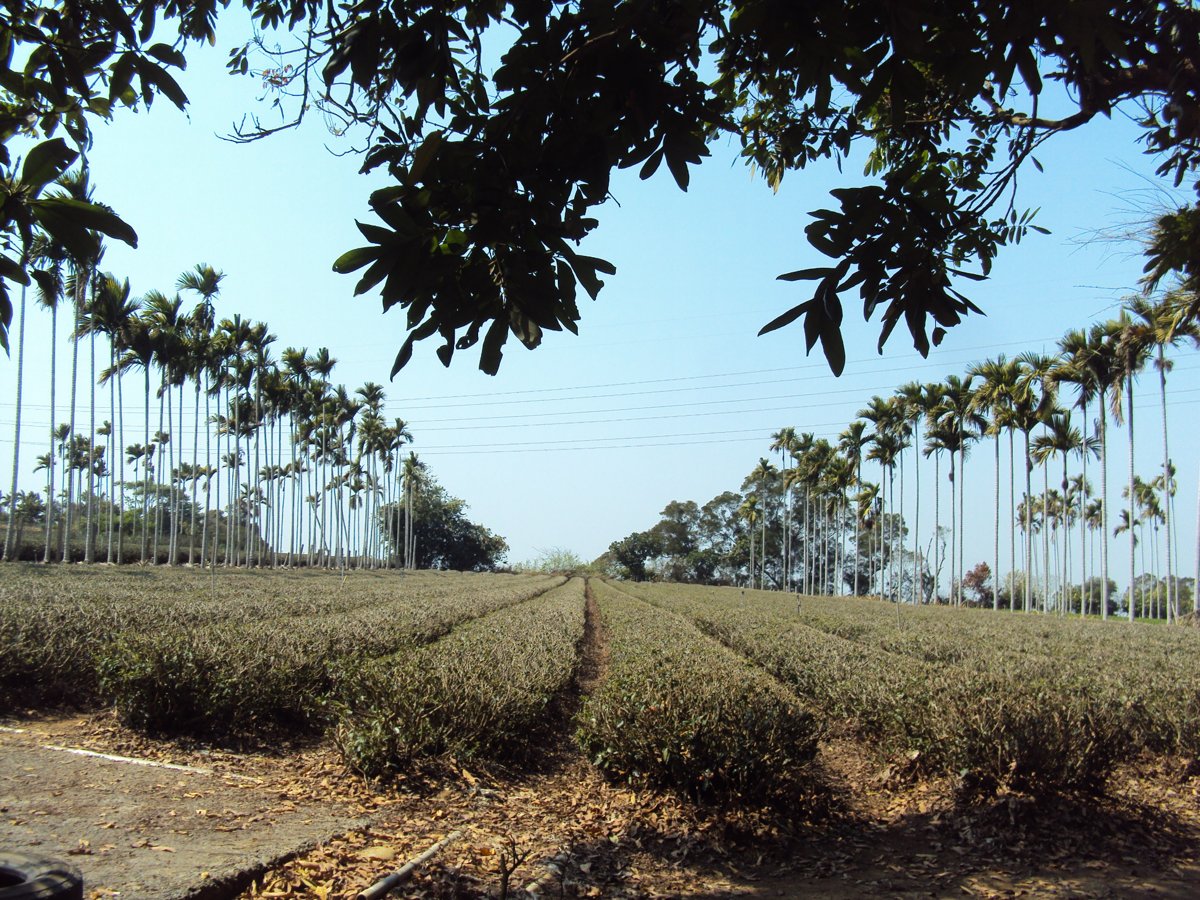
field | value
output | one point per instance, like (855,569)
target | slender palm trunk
(119,424)
(1085,588)
(1172,588)
(808,542)
(12,544)
(48,553)
(231,539)
(296,485)
(253,538)
(751,530)
(900,534)
(996,533)
(889,537)
(762,562)
(408,515)
(1064,591)
(89,542)
(312,492)
(1028,527)
(918,573)
(163,401)
(1012,519)
(955,591)
(1045,538)
(191,557)
(68,462)
(215,474)
(937,522)
(146,471)
(1103,509)
(1132,540)
(324,494)
(962,517)
(280,485)
(116,459)
(176,482)
(208,474)
(857,519)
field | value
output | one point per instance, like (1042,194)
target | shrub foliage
(483,690)
(678,709)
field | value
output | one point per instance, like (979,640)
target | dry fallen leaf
(382,853)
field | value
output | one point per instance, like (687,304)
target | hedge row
(257,654)
(483,690)
(680,710)
(1151,673)
(1004,722)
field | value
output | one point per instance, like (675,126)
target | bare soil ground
(308,828)
(176,823)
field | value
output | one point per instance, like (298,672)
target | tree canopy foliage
(501,123)
(444,537)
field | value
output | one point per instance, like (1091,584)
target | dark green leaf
(805,274)
(167,54)
(493,346)
(786,319)
(375,273)
(91,216)
(1027,66)
(679,170)
(46,162)
(160,78)
(355,259)
(424,156)
(12,270)
(835,349)
(80,243)
(651,165)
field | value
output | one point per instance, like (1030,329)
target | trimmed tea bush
(484,690)
(680,710)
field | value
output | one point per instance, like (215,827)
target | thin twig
(381,888)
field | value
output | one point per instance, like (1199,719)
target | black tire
(29,878)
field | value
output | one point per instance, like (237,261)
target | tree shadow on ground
(1102,845)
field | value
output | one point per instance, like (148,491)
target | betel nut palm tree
(994,396)
(1157,326)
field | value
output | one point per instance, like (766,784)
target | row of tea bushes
(680,710)
(483,690)
(224,681)
(1150,672)
(177,650)
(1003,721)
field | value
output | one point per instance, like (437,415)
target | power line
(182,434)
(590,387)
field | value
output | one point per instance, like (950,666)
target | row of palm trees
(283,464)
(1047,400)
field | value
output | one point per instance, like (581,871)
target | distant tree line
(236,457)
(815,524)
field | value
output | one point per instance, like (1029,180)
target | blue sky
(667,393)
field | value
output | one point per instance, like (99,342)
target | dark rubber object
(29,878)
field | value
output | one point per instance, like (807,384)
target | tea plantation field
(715,692)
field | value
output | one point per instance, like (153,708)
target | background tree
(634,552)
(446,538)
